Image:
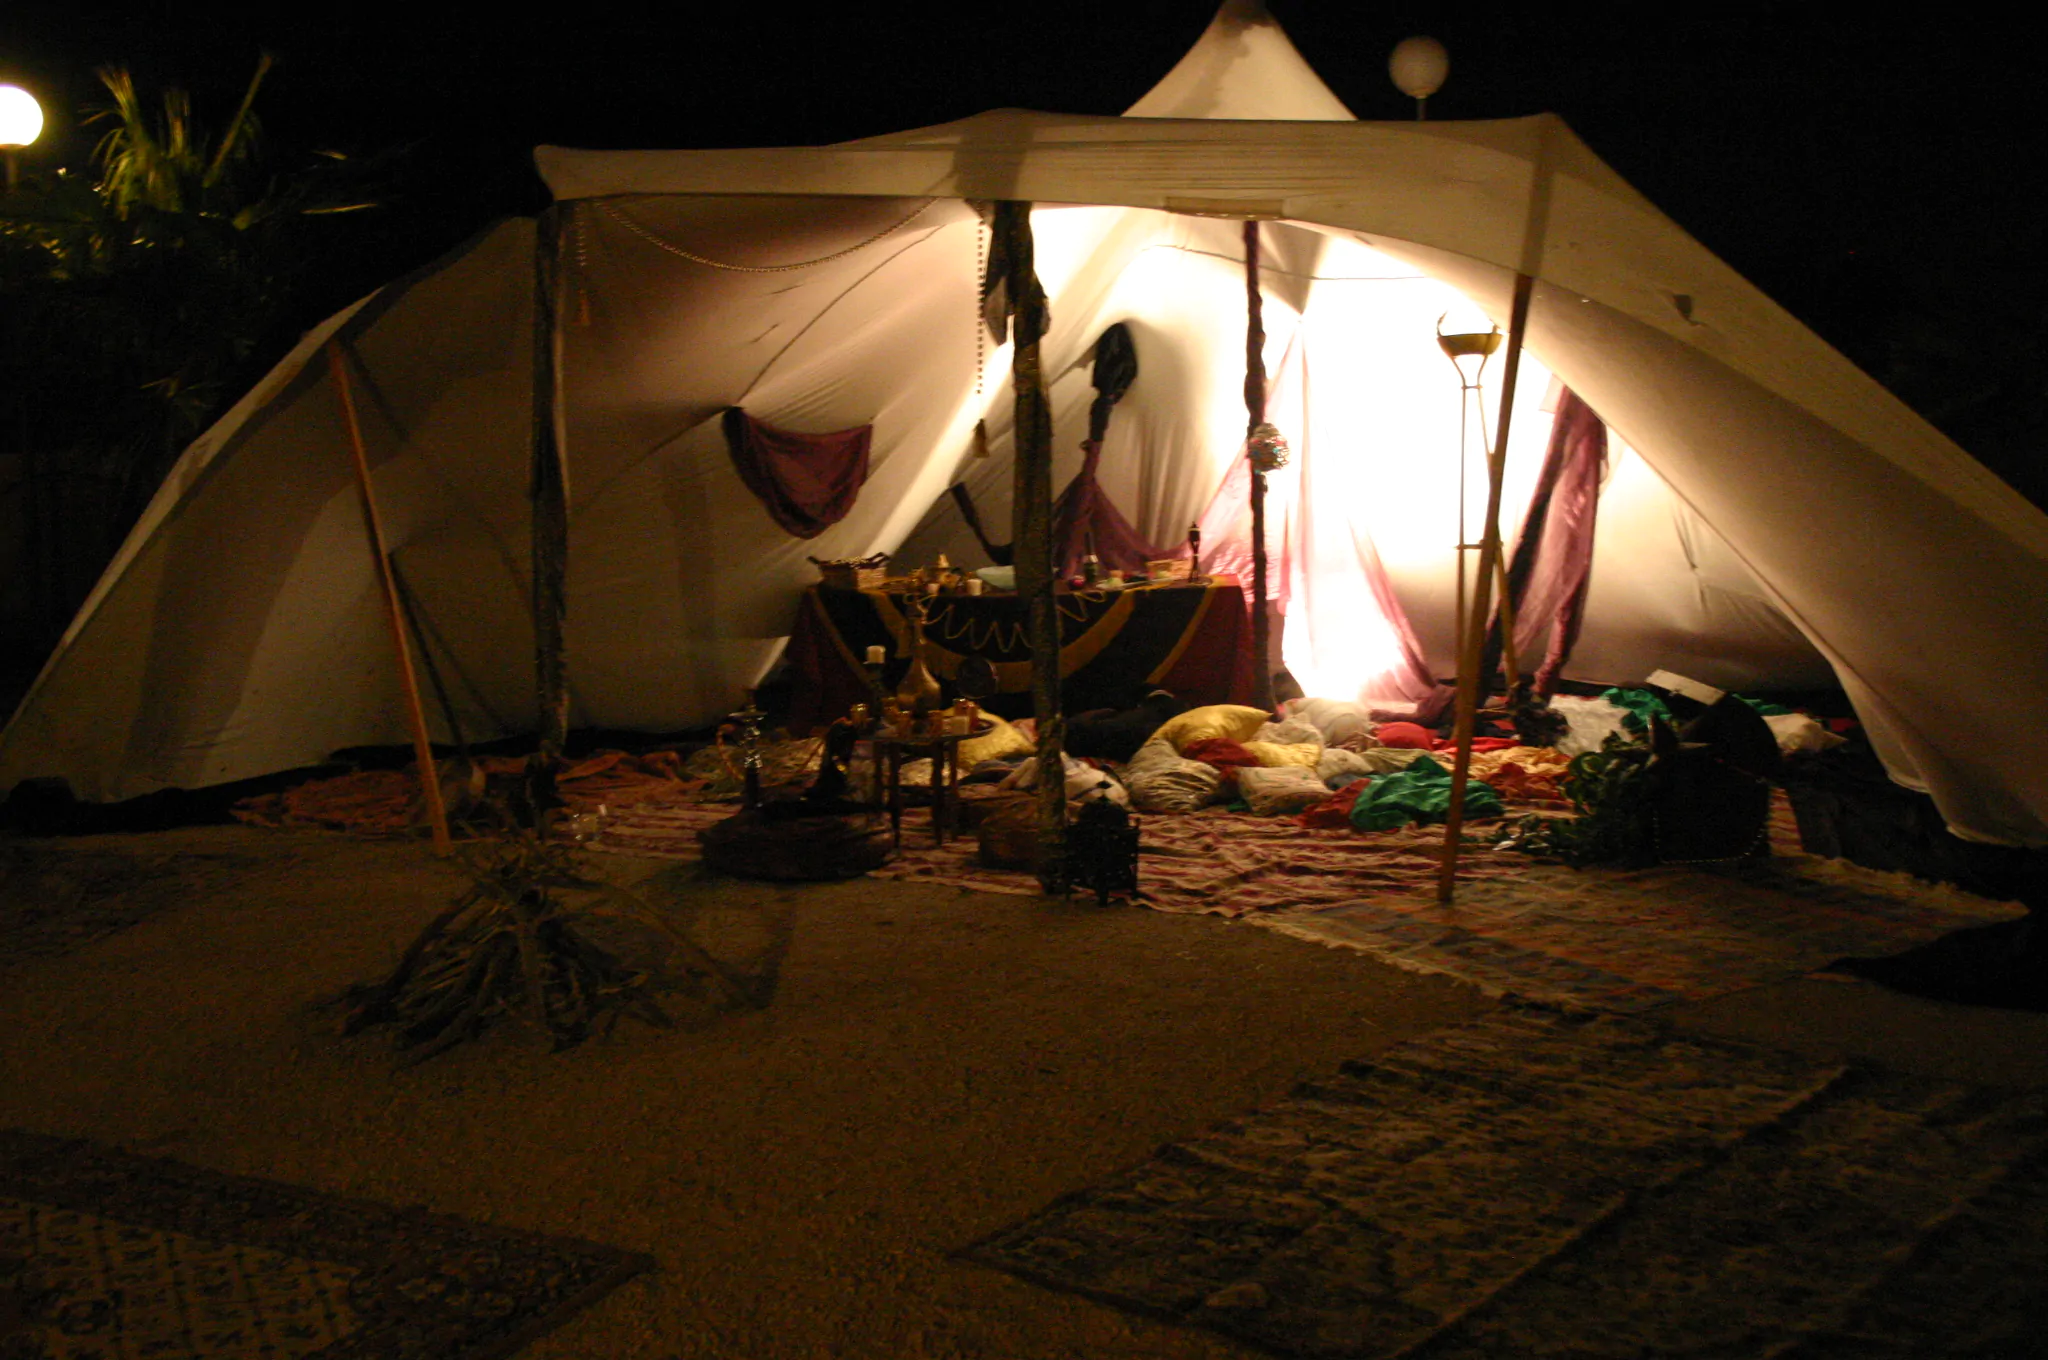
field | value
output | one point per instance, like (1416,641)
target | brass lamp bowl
(1462,344)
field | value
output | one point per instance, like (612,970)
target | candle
(877,654)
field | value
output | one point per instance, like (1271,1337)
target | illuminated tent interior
(1770,516)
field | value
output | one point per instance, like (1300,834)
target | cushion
(1004,741)
(1221,752)
(751,845)
(1406,736)
(1282,789)
(1335,765)
(1273,753)
(1796,733)
(1161,780)
(1232,722)
(1289,732)
(1082,781)
(1389,759)
(1339,720)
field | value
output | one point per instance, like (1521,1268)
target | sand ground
(933,1065)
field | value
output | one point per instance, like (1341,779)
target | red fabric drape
(1084,513)
(1553,560)
(806,482)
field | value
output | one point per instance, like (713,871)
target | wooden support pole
(1032,488)
(548,494)
(1473,644)
(422,749)
(1255,414)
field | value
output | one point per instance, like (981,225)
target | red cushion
(1406,736)
(1221,752)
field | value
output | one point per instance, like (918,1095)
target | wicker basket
(1168,569)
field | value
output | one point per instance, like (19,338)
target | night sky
(1877,177)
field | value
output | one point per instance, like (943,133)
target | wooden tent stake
(423,750)
(1255,414)
(1473,644)
(1032,495)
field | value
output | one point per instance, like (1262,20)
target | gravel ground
(934,1065)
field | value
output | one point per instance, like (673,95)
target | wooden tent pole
(548,494)
(1255,414)
(1032,496)
(422,749)
(1473,644)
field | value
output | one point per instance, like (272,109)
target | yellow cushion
(1279,753)
(1004,742)
(1233,722)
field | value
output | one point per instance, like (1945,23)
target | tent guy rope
(618,214)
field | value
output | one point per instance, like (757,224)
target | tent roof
(1243,66)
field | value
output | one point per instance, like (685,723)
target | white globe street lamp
(1418,67)
(21,122)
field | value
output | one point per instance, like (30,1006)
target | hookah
(749,720)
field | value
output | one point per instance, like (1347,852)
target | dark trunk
(1033,535)
(1255,414)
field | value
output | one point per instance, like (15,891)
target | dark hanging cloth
(1116,368)
(1083,515)
(1553,561)
(806,482)
(1002,554)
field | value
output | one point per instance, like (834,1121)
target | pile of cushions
(1206,754)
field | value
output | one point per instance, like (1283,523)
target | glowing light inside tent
(1380,468)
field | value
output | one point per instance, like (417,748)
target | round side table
(945,785)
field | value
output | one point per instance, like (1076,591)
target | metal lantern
(1102,848)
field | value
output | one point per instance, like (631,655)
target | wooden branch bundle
(509,946)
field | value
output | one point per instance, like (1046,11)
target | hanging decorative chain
(1267,448)
(619,215)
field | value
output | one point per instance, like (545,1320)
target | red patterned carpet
(1613,938)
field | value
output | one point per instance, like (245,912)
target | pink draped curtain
(1306,539)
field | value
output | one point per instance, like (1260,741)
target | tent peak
(1243,66)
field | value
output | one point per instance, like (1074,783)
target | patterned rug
(1224,863)
(1618,939)
(106,1255)
(1632,940)
(1536,1184)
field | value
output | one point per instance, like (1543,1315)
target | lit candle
(877,654)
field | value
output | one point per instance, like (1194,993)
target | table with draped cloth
(1115,646)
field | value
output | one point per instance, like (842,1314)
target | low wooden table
(890,753)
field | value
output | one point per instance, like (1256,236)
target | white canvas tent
(1776,514)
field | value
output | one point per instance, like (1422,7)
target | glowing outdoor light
(21,122)
(1418,67)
